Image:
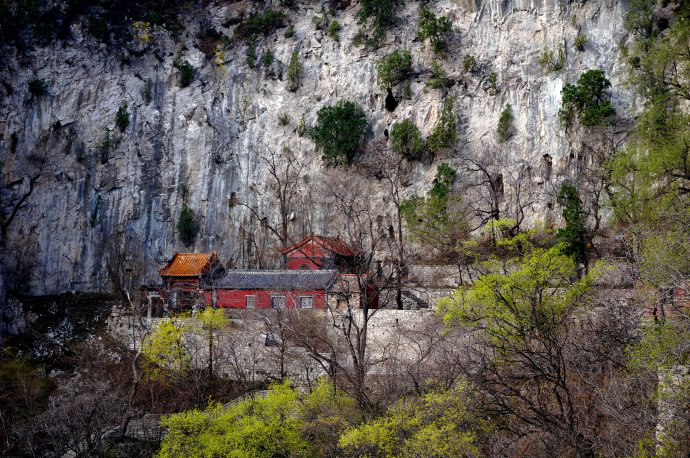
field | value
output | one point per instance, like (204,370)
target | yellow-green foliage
(164,347)
(665,257)
(212,319)
(253,428)
(24,389)
(327,413)
(651,174)
(534,297)
(661,356)
(280,424)
(438,424)
(660,346)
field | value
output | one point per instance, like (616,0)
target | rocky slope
(207,138)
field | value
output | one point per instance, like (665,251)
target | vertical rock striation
(113,197)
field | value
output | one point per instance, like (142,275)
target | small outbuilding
(321,253)
(186,275)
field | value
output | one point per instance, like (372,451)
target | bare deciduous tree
(285,173)
(494,191)
(339,339)
(391,169)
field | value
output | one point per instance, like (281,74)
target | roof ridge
(272,271)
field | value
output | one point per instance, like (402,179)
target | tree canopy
(339,131)
(588,100)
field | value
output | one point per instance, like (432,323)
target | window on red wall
(250,302)
(278,302)
(306,302)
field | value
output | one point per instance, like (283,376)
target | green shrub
(333,30)
(294,71)
(444,134)
(301,126)
(267,58)
(394,68)
(187,225)
(107,146)
(492,81)
(290,32)
(407,91)
(468,63)
(251,55)
(549,63)
(574,234)
(186,71)
(406,139)
(640,17)
(339,131)
(283,119)
(580,41)
(382,15)
(38,87)
(434,28)
(263,23)
(267,62)
(122,117)
(438,76)
(588,100)
(505,124)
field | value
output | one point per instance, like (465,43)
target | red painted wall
(230,298)
(295,261)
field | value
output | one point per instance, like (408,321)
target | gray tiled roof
(278,279)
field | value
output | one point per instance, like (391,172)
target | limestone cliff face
(207,138)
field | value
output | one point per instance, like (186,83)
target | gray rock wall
(207,138)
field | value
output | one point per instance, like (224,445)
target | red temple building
(264,289)
(320,271)
(186,274)
(318,252)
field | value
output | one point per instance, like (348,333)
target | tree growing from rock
(444,135)
(394,68)
(406,139)
(434,28)
(339,131)
(588,100)
(574,235)
(187,225)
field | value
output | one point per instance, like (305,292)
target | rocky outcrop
(110,197)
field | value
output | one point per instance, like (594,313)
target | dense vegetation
(187,225)
(588,100)
(406,139)
(505,124)
(394,68)
(339,131)
(433,28)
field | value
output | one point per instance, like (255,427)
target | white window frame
(311,302)
(282,300)
(247,301)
